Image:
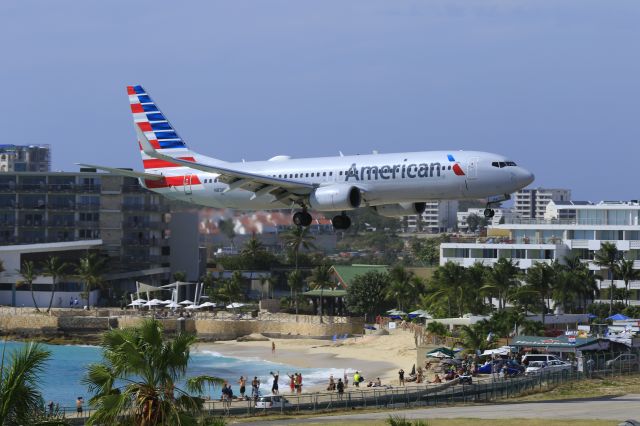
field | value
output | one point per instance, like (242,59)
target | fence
(485,388)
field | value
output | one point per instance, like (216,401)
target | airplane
(393,185)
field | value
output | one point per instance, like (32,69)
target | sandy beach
(373,356)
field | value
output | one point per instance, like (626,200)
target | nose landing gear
(492,201)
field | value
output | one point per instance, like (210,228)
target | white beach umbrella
(208,305)
(166,302)
(172,305)
(151,303)
(193,307)
(139,301)
(235,305)
(135,303)
(186,302)
(156,301)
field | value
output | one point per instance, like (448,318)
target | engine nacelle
(401,209)
(335,198)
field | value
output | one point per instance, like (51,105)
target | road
(616,408)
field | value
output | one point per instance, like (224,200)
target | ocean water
(61,381)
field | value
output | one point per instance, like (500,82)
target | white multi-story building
(532,202)
(438,216)
(500,216)
(25,158)
(570,228)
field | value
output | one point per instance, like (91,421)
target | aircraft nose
(526,177)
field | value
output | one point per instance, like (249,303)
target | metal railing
(484,388)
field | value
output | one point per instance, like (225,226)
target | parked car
(538,367)
(527,358)
(272,401)
(624,362)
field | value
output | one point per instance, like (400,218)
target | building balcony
(87,206)
(633,285)
(92,189)
(32,223)
(61,224)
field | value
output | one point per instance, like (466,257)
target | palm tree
(227,228)
(607,257)
(29,274)
(627,273)
(297,237)
(54,268)
(448,285)
(294,280)
(321,279)
(90,271)
(20,398)
(539,279)
(136,383)
(400,285)
(475,280)
(230,289)
(252,248)
(502,278)
(473,339)
(180,276)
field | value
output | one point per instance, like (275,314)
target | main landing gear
(341,222)
(302,218)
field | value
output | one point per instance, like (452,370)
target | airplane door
(472,168)
(187,184)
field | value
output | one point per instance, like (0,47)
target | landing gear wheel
(341,222)
(489,213)
(302,218)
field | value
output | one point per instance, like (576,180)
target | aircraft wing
(257,183)
(122,172)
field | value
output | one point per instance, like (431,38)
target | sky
(554,85)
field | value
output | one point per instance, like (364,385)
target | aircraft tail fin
(148,118)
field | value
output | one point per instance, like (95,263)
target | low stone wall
(85,324)
(215,329)
(208,327)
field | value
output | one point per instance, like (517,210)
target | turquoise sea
(61,381)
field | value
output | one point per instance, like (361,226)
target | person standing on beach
(274,387)
(79,404)
(401,377)
(356,379)
(243,386)
(255,387)
(340,387)
(299,383)
(346,379)
(292,382)
(273,348)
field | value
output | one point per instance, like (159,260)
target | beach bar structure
(561,344)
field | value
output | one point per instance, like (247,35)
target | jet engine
(335,198)
(401,209)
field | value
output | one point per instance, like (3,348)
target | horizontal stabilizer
(128,173)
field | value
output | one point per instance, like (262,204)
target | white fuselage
(382,178)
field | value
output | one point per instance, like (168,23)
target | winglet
(147,148)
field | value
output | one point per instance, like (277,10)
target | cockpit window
(502,164)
